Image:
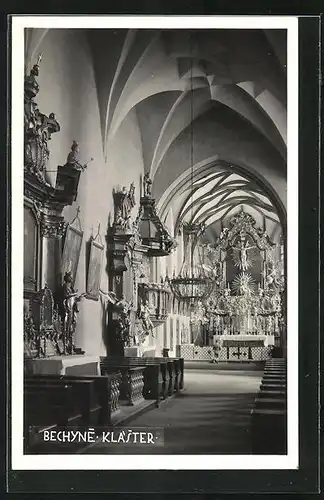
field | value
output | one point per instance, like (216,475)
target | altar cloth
(265,340)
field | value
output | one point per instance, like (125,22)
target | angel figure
(242,249)
(144,315)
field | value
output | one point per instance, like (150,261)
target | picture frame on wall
(94,269)
(71,251)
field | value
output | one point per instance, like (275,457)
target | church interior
(155,194)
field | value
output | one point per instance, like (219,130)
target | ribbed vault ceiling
(200,97)
(206,99)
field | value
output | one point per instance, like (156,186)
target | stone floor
(212,415)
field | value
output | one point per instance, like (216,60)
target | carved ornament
(153,232)
(243,224)
(52,227)
(38,128)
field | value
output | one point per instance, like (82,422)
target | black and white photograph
(174,138)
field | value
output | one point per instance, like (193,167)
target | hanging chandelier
(192,284)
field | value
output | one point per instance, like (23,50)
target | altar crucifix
(241,258)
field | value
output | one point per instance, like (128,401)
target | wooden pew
(46,406)
(132,379)
(83,397)
(53,401)
(96,394)
(174,376)
(172,372)
(48,403)
(162,376)
(269,415)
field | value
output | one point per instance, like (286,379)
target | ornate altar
(50,314)
(48,340)
(41,326)
(244,313)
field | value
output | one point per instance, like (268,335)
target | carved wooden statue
(242,249)
(144,315)
(70,310)
(147,185)
(73,158)
(124,201)
(121,309)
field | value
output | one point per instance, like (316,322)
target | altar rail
(51,401)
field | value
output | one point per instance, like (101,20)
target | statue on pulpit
(124,202)
(70,299)
(147,185)
(73,158)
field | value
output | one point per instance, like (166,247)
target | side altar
(51,248)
